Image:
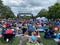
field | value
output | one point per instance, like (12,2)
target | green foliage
(47,41)
(26,17)
(43,13)
(5,11)
(1,6)
(1,3)
(52,13)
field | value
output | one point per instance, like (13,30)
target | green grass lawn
(42,39)
(15,42)
(47,41)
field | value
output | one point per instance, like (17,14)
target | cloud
(58,1)
(31,6)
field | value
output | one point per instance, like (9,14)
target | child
(32,39)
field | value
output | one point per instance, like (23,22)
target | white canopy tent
(38,18)
(42,18)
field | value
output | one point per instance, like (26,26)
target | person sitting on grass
(24,30)
(32,41)
(33,38)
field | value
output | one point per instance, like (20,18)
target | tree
(1,3)
(43,13)
(54,11)
(1,6)
(5,11)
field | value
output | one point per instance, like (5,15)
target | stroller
(8,36)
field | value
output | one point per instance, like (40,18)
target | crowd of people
(12,27)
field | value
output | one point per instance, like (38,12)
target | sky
(28,6)
(58,1)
